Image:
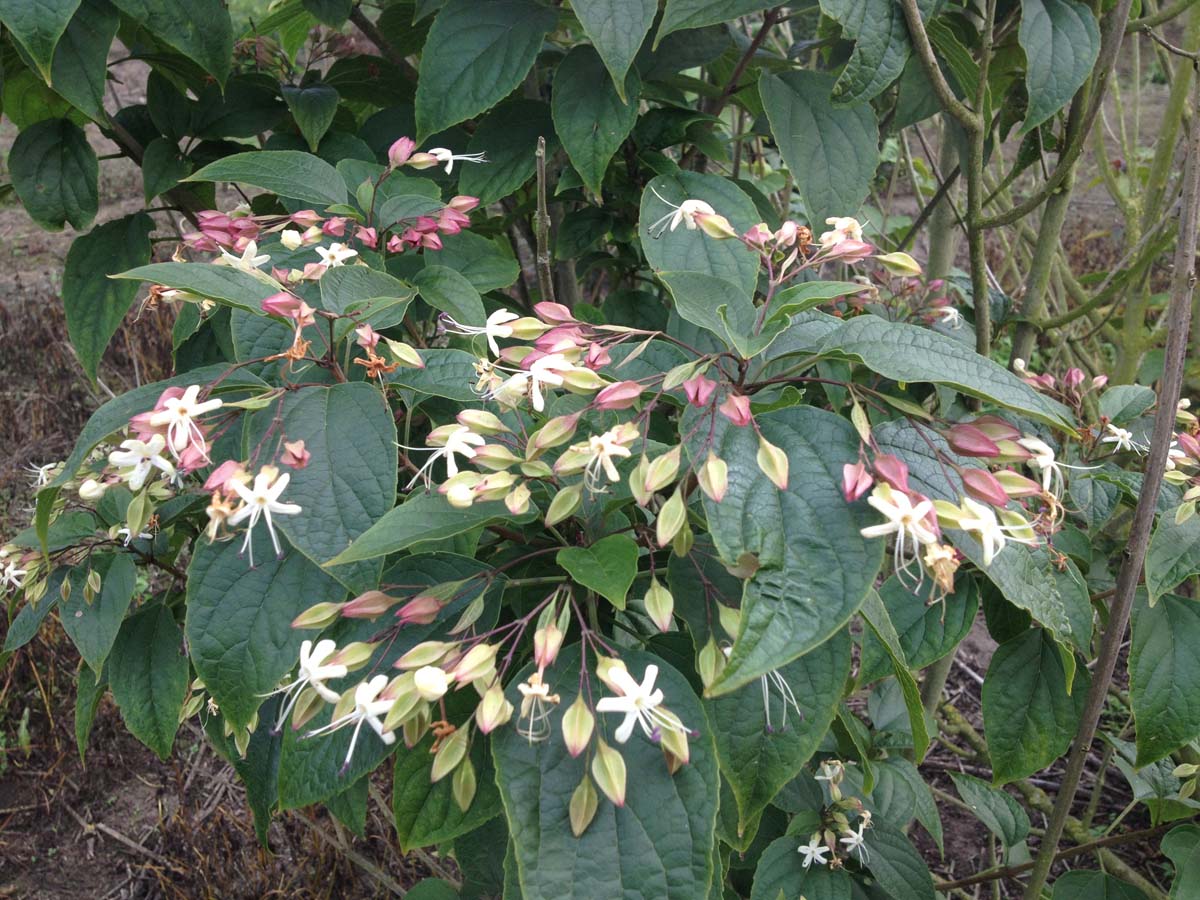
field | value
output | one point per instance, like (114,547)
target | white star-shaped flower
(813,852)
(249,261)
(137,459)
(640,704)
(261,500)
(335,255)
(179,416)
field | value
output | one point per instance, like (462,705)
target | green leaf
(380,299)
(24,626)
(802,297)
(259,768)
(616,29)
(1028,716)
(1093,885)
(830,151)
(816,567)
(900,793)
(474,57)
(422,517)
(333,13)
(289,173)
(1123,403)
(607,567)
(712,303)
(1173,555)
(896,864)
(80,67)
(313,107)
(89,690)
(96,304)
(1061,41)
(681,14)
(487,264)
(1182,845)
(38,26)
(425,811)
(682,250)
(509,136)
(450,292)
(758,758)
(1000,812)
(876,616)
(199,29)
(1164,675)
(222,284)
(881,46)
(448,373)
(432,889)
(781,873)
(56,174)
(592,117)
(350,482)
(148,674)
(239,621)
(27,100)
(927,631)
(350,806)
(93,627)
(163,166)
(909,353)
(659,844)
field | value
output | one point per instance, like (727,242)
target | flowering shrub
(603,540)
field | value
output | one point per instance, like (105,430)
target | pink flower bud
(450,221)
(1189,445)
(997,428)
(856,481)
(220,476)
(334,226)
(621,395)
(281,304)
(757,235)
(553,313)
(194,456)
(699,390)
(736,409)
(395,244)
(1099,381)
(313,271)
(893,471)
(463,203)
(971,441)
(369,605)
(420,610)
(1073,379)
(850,251)
(597,356)
(400,151)
(983,486)
(368,236)
(306,218)
(295,455)
(546,644)
(368,337)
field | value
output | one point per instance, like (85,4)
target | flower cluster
(836,824)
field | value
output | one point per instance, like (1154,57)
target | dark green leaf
(1164,675)
(1123,403)
(447,373)
(683,250)
(259,768)
(760,753)
(487,264)
(830,151)
(350,806)
(148,674)
(38,26)
(681,14)
(289,173)
(616,29)
(508,135)
(425,811)
(56,174)
(781,873)
(350,482)
(451,292)
(333,13)
(659,844)
(199,29)
(239,621)
(223,284)
(89,690)
(876,616)
(607,567)
(163,166)
(313,107)
(96,304)
(1028,716)
(590,115)
(93,626)
(909,353)
(475,55)
(1182,845)
(896,864)
(999,811)
(816,567)
(1061,41)
(1093,885)
(881,46)
(432,889)
(1173,555)
(80,68)
(926,632)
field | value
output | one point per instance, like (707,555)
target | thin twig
(542,228)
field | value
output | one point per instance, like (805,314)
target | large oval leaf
(56,174)
(1164,675)
(616,29)
(148,674)
(590,116)
(350,482)
(659,844)
(1061,40)
(239,621)
(781,873)
(758,758)
(815,566)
